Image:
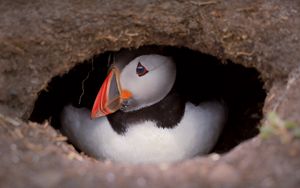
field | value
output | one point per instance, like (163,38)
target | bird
(139,116)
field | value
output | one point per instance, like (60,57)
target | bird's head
(142,82)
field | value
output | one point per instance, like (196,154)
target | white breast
(197,133)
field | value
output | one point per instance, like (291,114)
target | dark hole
(201,77)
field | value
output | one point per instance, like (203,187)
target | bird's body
(196,133)
(154,125)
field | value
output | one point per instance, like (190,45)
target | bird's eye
(141,70)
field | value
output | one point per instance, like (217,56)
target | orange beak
(110,96)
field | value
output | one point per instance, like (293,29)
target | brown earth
(42,39)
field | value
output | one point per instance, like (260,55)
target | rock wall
(41,39)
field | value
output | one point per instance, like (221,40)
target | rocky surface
(42,39)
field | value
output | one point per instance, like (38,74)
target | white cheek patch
(153,86)
(152,67)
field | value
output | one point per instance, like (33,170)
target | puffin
(139,116)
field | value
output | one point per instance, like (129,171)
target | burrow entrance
(201,77)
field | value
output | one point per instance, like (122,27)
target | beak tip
(95,113)
(92,116)
(106,101)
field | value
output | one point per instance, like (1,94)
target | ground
(42,39)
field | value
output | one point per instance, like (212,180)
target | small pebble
(215,156)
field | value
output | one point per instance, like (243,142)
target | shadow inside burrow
(200,77)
